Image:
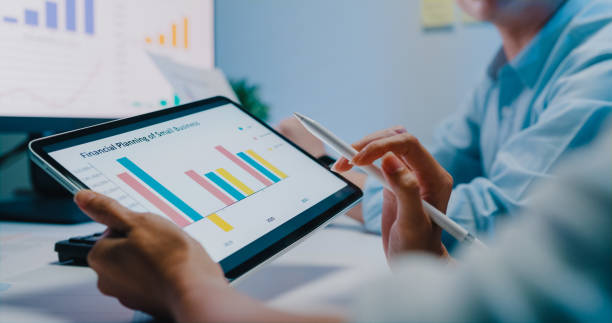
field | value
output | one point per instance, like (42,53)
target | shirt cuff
(372,205)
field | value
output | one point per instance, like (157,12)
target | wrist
(188,287)
(200,301)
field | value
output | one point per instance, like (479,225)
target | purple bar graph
(31,17)
(71,15)
(51,14)
(10,20)
(89,17)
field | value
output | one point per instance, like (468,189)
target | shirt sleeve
(577,103)
(577,106)
(551,265)
(371,205)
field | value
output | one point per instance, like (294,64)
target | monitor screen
(102,59)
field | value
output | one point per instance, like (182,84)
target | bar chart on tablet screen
(221,183)
(218,174)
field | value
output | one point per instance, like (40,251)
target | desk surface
(316,275)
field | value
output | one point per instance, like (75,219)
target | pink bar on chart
(210,188)
(244,166)
(153,199)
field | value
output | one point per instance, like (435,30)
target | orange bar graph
(186,26)
(174,35)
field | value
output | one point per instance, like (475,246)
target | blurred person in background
(545,94)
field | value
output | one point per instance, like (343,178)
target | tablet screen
(218,173)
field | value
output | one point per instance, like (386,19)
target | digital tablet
(229,180)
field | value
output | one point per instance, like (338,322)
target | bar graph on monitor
(178,37)
(88,59)
(50,12)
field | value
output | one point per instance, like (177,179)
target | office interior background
(356,65)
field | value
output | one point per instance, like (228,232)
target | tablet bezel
(351,194)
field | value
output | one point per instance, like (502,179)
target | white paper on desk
(192,84)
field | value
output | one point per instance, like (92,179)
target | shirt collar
(530,61)
(496,65)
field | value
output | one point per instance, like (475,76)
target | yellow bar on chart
(236,182)
(264,162)
(217,220)
(162,39)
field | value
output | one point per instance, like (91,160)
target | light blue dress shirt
(552,264)
(524,117)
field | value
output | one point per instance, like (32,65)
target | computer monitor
(70,63)
(66,64)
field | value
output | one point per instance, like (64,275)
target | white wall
(355,65)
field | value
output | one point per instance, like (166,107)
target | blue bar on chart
(89,17)
(229,189)
(51,14)
(71,15)
(31,17)
(160,189)
(10,20)
(259,167)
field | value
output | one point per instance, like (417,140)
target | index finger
(105,210)
(342,165)
(359,145)
(406,146)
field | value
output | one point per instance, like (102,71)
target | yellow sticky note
(437,13)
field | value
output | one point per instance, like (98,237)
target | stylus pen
(346,150)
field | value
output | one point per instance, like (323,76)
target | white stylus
(346,150)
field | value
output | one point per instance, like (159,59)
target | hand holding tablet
(230,181)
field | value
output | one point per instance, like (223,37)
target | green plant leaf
(249,97)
